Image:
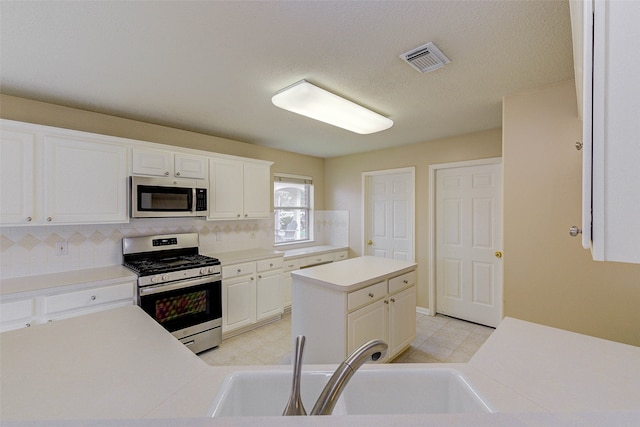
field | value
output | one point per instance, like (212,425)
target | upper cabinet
(239,189)
(606,35)
(166,163)
(60,177)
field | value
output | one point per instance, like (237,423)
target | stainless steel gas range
(178,287)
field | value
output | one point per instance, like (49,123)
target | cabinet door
(152,162)
(85,182)
(257,193)
(402,320)
(286,290)
(17,179)
(16,314)
(365,324)
(238,303)
(225,189)
(269,296)
(188,166)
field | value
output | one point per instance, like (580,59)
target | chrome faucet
(372,350)
(295,406)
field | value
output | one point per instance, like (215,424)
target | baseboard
(422,310)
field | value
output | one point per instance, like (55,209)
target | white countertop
(99,276)
(354,273)
(119,364)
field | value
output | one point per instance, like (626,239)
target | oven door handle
(150,290)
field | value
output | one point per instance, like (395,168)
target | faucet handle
(294,405)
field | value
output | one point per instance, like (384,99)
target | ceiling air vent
(425,58)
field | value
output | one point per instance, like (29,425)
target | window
(292,200)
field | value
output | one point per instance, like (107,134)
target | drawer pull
(270,264)
(239,270)
(28,325)
(93,297)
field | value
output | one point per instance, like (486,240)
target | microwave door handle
(194,201)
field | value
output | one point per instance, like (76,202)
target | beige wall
(25,110)
(548,277)
(344,182)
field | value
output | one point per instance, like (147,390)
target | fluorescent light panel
(316,103)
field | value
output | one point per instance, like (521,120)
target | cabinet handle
(252,278)
(49,219)
(28,325)
(260,277)
(270,264)
(238,215)
(393,300)
(578,145)
(239,271)
(370,295)
(574,231)
(93,297)
(246,215)
(50,321)
(166,173)
(386,302)
(405,282)
(29,219)
(177,173)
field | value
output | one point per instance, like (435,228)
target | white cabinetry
(238,296)
(165,163)
(55,176)
(76,303)
(26,309)
(269,288)
(84,181)
(17,314)
(605,32)
(240,190)
(251,294)
(17,176)
(336,322)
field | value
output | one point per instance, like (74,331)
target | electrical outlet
(219,236)
(62,248)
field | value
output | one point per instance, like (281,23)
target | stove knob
(165,277)
(154,279)
(203,270)
(212,269)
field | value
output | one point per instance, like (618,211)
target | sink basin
(375,391)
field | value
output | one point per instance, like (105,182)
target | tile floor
(438,339)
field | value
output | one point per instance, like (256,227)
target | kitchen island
(340,306)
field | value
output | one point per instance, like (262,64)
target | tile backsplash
(26,251)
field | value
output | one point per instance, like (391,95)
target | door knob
(574,231)
(370,242)
(498,254)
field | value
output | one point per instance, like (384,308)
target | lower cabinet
(17,314)
(55,304)
(336,323)
(251,293)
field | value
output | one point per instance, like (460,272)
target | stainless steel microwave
(167,198)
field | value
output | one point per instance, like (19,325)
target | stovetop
(146,267)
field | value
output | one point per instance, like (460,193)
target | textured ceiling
(212,66)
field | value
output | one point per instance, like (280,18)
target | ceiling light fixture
(316,103)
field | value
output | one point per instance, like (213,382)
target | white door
(468,218)
(389,213)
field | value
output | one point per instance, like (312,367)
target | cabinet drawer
(401,282)
(236,270)
(291,264)
(367,295)
(340,256)
(319,259)
(16,310)
(88,298)
(269,264)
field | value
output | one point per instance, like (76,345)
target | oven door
(185,307)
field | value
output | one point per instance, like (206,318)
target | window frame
(305,213)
